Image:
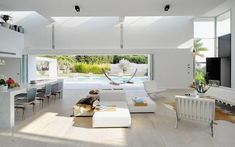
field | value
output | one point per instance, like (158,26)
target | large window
(94,69)
(223,24)
(206,33)
(204,41)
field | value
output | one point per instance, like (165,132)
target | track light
(167,7)
(77,8)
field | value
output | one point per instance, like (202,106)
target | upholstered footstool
(150,105)
(118,116)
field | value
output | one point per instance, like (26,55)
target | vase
(201,95)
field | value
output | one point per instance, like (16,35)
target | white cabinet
(11,43)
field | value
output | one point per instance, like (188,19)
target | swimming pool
(103,79)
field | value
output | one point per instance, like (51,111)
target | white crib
(200,109)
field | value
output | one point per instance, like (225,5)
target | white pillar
(53,69)
(32,71)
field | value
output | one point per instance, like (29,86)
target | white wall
(104,33)
(170,66)
(32,71)
(173,68)
(165,32)
(12,42)
(11,68)
(95,33)
(37,32)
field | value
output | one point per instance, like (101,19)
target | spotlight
(77,8)
(167,8)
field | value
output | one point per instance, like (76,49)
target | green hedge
(138,59)
(95,59)
(91,68)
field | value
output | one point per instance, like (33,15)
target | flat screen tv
(213,68)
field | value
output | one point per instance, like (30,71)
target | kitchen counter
(7,108)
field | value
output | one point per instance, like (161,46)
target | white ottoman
(119,118)
(151,105)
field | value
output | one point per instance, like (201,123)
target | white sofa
(112,95)
(223,94)
(120,95)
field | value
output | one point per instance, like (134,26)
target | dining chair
(60,88)
(26,99)
(45,95)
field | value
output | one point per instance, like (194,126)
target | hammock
(115,83)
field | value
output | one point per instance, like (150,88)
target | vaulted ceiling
(50,8)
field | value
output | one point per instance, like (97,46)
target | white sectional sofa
(120,95)
(112,95)
(222,94)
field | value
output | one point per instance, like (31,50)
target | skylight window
(71,21)
(140,21)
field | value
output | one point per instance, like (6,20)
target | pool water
(104,79)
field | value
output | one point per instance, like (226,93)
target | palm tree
(198,48)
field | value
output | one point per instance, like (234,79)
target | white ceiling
(50,8)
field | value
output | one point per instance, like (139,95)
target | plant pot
(201,95)
(3,88)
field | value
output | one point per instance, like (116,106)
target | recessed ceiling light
(167,7)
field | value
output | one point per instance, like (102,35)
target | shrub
(95,59)
(138,59)
(200,77)
(91,68)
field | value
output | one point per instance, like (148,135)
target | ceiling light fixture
(167,7)
(77,8)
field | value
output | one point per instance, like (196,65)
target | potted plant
(3,85)
(200,83)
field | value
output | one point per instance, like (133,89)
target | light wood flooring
(52,126)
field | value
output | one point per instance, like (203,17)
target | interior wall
(166,32)
(172,68)
(38,32)
(104,33)
(91,33)
(32,71)
(11,68)
(11,43)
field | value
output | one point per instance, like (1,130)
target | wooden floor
(52,126)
